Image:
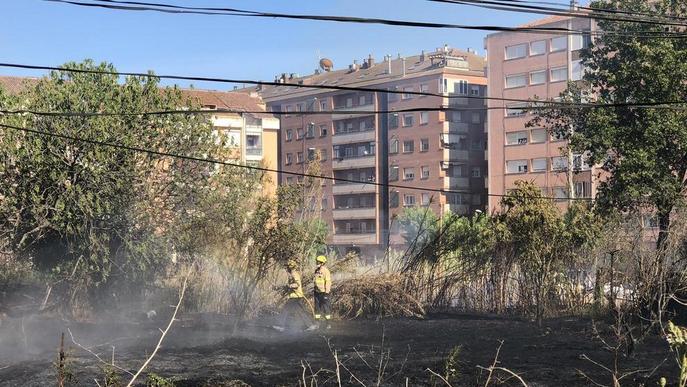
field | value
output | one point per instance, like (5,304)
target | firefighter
(323,288)
(293,314)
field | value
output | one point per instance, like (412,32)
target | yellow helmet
(291,264)
(321,259)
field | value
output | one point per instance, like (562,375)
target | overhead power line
(214,11)
(596,14)
(250,167)
(537,104)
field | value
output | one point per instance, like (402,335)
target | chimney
(236,87)
(446,48)
(370,60)
(573,5)
(283,78)
(403,63)
(388,63)
(422,56)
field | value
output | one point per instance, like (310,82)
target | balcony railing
(354,213)
(342,188)
(254,151)
(355,108)
(358,239)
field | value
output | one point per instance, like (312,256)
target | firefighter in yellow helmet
(323,288)
(294,314)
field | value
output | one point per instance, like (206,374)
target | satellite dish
(326,64)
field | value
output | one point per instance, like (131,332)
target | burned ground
(202,351)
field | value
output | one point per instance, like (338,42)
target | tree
(90,213)
(643,150)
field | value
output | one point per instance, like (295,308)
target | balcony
(457,99)
(357,239)
(353,137)
(456,155)
(353,109)
(456,183)
(367,161)
(341,188)
(458,127)
(354,213)
(460,209)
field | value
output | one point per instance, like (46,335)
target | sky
(45,33)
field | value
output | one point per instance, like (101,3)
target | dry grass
(376,296)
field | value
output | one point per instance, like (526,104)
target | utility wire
(537,103)
(597,14)
(250,167)
(174,9)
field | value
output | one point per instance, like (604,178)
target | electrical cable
(250,167)
(168,8)
(501,5)
(538,103)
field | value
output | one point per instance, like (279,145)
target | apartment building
(426,149)
(253,135)
(527,66)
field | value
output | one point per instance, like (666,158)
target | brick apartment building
(432,149)
(525,66)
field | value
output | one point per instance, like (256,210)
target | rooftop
(443,60)
(15,85)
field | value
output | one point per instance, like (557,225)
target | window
(289,158)
(253,141)
(454,116)
(408,146)
(289,108)
(476,145)
(580,163)
(476,118)
(424,144)
(393,146)
(650,221)
(311,131)
(425,199)
(538,136)
(516,166)
(476,172)
(393,200)
(289,134)
(559,193)
(393,120)
(559,163)
(393,173)
(516,110)
(424,118)
(580,41)
(455,171)
(559,43)
(583,189)
(516,80)
(289,180)
(557,136)
(323,155)
(299,133)
(539,165)
(424,172)
(299,157)
(460,87)
(349,102)
(424,88)
(559,74)
(474,90)
(362,100)
(408,173)
(323,105)
(538,77)
(324,204)
(408,200)
(323,130)
(406,90)
(311,154)
(518,51)
(538,47)
(516,138)
(577,71)
(408,120)
(299,107)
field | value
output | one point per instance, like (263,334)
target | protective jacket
(295,285)
(323,280)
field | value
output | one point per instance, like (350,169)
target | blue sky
(45,33)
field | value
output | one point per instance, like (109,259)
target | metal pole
(383,170)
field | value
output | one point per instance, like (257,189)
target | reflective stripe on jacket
(295,285)
(323,280)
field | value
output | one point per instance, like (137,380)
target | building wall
(500,153)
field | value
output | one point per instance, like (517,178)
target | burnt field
(202,351)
